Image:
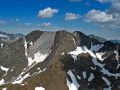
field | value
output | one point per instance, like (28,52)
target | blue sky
(99,17)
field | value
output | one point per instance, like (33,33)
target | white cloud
(104,19)
(2,22)
(47,12)
(46,24)
(71,16)
(108,19)
(99,16)
(115,4)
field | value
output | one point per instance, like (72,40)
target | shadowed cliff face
(59,61)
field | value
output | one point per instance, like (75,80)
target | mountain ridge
(59,61)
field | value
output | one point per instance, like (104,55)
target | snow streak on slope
(84,74)
(1,45)
(2,82)
(20,80)
(38,57)
(76,52)
(25,45)
(80,50)
(4,69)
(74,85)
(4,36)
(117,58)
(39,88)
(107,82)
(95,47)
(4,89)
(99,56)
(40,49)
(91,77)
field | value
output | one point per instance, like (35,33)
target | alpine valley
(58,60)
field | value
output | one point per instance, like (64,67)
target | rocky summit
(59,60)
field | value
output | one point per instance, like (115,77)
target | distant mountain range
(58,60)
(115,41)
(98,38)
(9,38)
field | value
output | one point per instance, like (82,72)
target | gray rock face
(43,44)
(59,61)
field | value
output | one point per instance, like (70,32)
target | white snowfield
(91,77)
(117,58)
(108,83)
(84,74)
(74,85)
(4,36)
(99,56)
(39,88)
(80,50)
(2,81)
(1,45)
(4,89)
(4,68)
(94,56)
(95,47)
(21,79)
(38,57)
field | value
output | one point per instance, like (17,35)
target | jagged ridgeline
(59,60)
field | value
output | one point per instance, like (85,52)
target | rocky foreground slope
(59,61)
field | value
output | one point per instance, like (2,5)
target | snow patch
(2,82)
(74,42)
(95,47)
(2,45)
(99,56)
(84,75)
(78,77)
(39,88)
(107,82)
(38,68)
(25,45)
(4,69)
(62,53)
(21,79)
(83,49)
(4,89)
(117,58)
(31,43)
(5,36)
(41,70)
(76,52)
(91,77)
(38,57)
(74,85)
